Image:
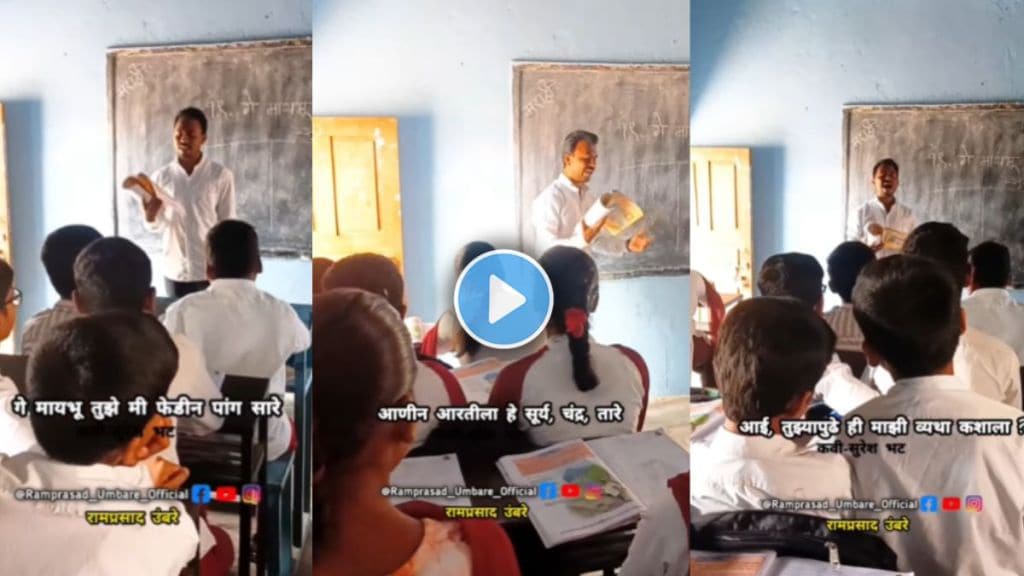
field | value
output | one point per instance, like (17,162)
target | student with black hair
(121,354)
(844,264)
(363,361)
(15,432)
(990,308)
(573,368)
(204,192)
(60,249)
(883,212)
(983,362)
(241,329)
(434,385)
(800,277)
(909,311)
(771,354)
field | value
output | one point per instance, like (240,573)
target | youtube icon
(951,504)
(226,494)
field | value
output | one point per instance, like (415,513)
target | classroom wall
(774,75)
(54,86)
(444,69)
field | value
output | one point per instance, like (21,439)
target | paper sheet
(730,564)
(430,472)
(803,567)
(477,379)
(644,461)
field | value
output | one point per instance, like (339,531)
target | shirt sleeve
(300,337)
(163,215)
(547,220)
(1012,394)
(226,209)
(841,390)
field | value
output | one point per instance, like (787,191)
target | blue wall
(774,75)
(54,86)
(444,69)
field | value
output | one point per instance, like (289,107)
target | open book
(893,239)
(478,378)
(621,213)
(133,184)
(586,488)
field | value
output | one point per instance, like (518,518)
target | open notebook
(766,563)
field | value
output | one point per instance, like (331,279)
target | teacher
(883,211)
(204,194)
(559,209)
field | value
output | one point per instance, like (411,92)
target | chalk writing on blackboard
(545,95)
(135,80)
(867,132)
(656,127)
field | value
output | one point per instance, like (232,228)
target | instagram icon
(973,504)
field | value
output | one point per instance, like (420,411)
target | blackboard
(257,97)
(962,164)
(641,116)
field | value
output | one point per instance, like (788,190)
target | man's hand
(640,242)
(875,229)
(152,203)
(166,474)
(591,232)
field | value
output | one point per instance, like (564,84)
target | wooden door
(356,197)
(721,237)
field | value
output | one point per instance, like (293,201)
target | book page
(804,567)
(730,564)
(644,461)
(430,472)
(477,379)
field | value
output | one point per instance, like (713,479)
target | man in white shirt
(882,212)
(989,307)
(241,329)
(60,249)
(909,311)
(844,264)
(559,210)
(88,359)
(764,376)
(203,192)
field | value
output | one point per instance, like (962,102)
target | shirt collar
(232,284)
(996,295)
(938,382)
(65,305)
(732,445)
(895,206)
(195,170)
(564,180)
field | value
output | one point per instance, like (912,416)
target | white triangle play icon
(502,299)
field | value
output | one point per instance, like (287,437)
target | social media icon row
(203,493)
(952,503)
(552,491)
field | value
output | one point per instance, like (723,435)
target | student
(990,308)
(435,385)
(320,266)
(240,329)
(450,336)
(799,276)
(883,211)
(909,311)
(364,358)
(573,368)
(660,546)
(115,274)
(844,263)
(771,354)
(60,249)
(117,354)
(15,431)
(988,366)
(205,191)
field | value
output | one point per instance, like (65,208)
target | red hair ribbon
(576,322)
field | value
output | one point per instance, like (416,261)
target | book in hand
(893,239)
(618,210)
(146,190)
(608,479)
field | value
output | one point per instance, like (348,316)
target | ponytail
(573,276)
(577,328)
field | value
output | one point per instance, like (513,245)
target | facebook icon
(929,504)
(201,493)
(547,490)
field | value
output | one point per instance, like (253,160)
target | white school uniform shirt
(899,218)
(16,434)
(54,539)
(243,331)
(940,544)
(984,365)
(430,389)
(737,472)
(546,376)
(841,389)
(660,546)
(848,334)
(39,326)
(206,197)
(994,312)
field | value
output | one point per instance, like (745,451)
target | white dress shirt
(948,543)
(38,327)
(994,312)
(206,197)
(736,472)
(899,218)
(841,389)
(243,331)
(848,334)
(661,544)
(558,215)
(53,538)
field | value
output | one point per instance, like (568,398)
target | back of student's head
(462,342)
(909,311)
(844,264)
(320,267)
(60,249)
(110,354)
(233,250)
(943,243)
(792,275)
(371,272)
(363,360)
(771,352)
(574,283)
(990,265)
(113,274)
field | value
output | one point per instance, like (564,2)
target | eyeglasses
(15,299)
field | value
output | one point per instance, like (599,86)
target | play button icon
(503,299)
